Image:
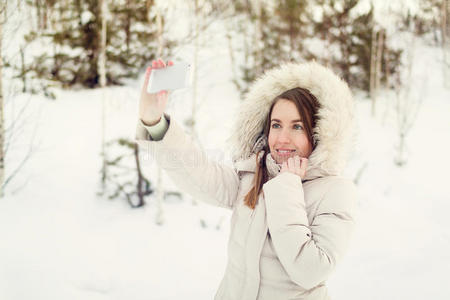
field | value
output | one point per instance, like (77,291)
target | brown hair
(307,106)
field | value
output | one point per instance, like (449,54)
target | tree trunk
(407,105)
(444,12)
(387,80)
(102,71)
(258,37)
(378,63)
(23,71)
(159,26)
(102,54)
(373,70)
(195,71)
(247,53)
(2,129)
(140,193)
(387,71)
(195,78)
(38,12)
(445,32)
(400,160)
(379,60)
(159,186)
(45,9)
(231,52)
(291,37)
(128,26)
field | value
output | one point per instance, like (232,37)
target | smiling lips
(285,152)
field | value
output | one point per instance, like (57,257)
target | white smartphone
(170,78)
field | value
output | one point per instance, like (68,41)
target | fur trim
(334,128)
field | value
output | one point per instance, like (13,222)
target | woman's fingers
(148,71)
(297,164)
(294,164)
(304,163)
(303,166)
(289,164)
(156,64)
(161,63)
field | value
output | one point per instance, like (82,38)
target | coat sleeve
(188,166)
(309,252)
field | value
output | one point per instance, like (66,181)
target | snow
(59,240)
(86,17)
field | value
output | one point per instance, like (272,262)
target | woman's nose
(284,136)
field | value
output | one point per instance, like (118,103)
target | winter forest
(84,214)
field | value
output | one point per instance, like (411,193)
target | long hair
(307,106)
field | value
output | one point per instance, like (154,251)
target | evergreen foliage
(286,29)
(351,35)
(74,37)
(276,33)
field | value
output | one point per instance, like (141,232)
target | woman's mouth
(285,152)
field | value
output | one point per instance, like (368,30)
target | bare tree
(102,70)
(372,70)
(445,33)
(204,13)
(379,60)
(159,185)
(195,71)
(9,131)
(407,106)
(2,129)
(376,59)
(258,36)
(231,52)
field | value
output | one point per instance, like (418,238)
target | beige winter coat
(290,243)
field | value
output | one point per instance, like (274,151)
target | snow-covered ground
(58,240)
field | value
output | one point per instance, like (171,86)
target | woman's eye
(298,127)
(275,125)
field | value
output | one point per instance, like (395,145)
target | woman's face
(287,136)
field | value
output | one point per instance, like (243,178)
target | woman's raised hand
(296,165)
(152,106)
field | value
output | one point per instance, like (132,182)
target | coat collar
(249,166)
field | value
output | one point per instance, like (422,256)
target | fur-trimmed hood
(334,127)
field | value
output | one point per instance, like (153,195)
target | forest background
(84,214)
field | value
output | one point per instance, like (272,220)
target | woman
(292,212)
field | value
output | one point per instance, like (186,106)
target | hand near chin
(296,165)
